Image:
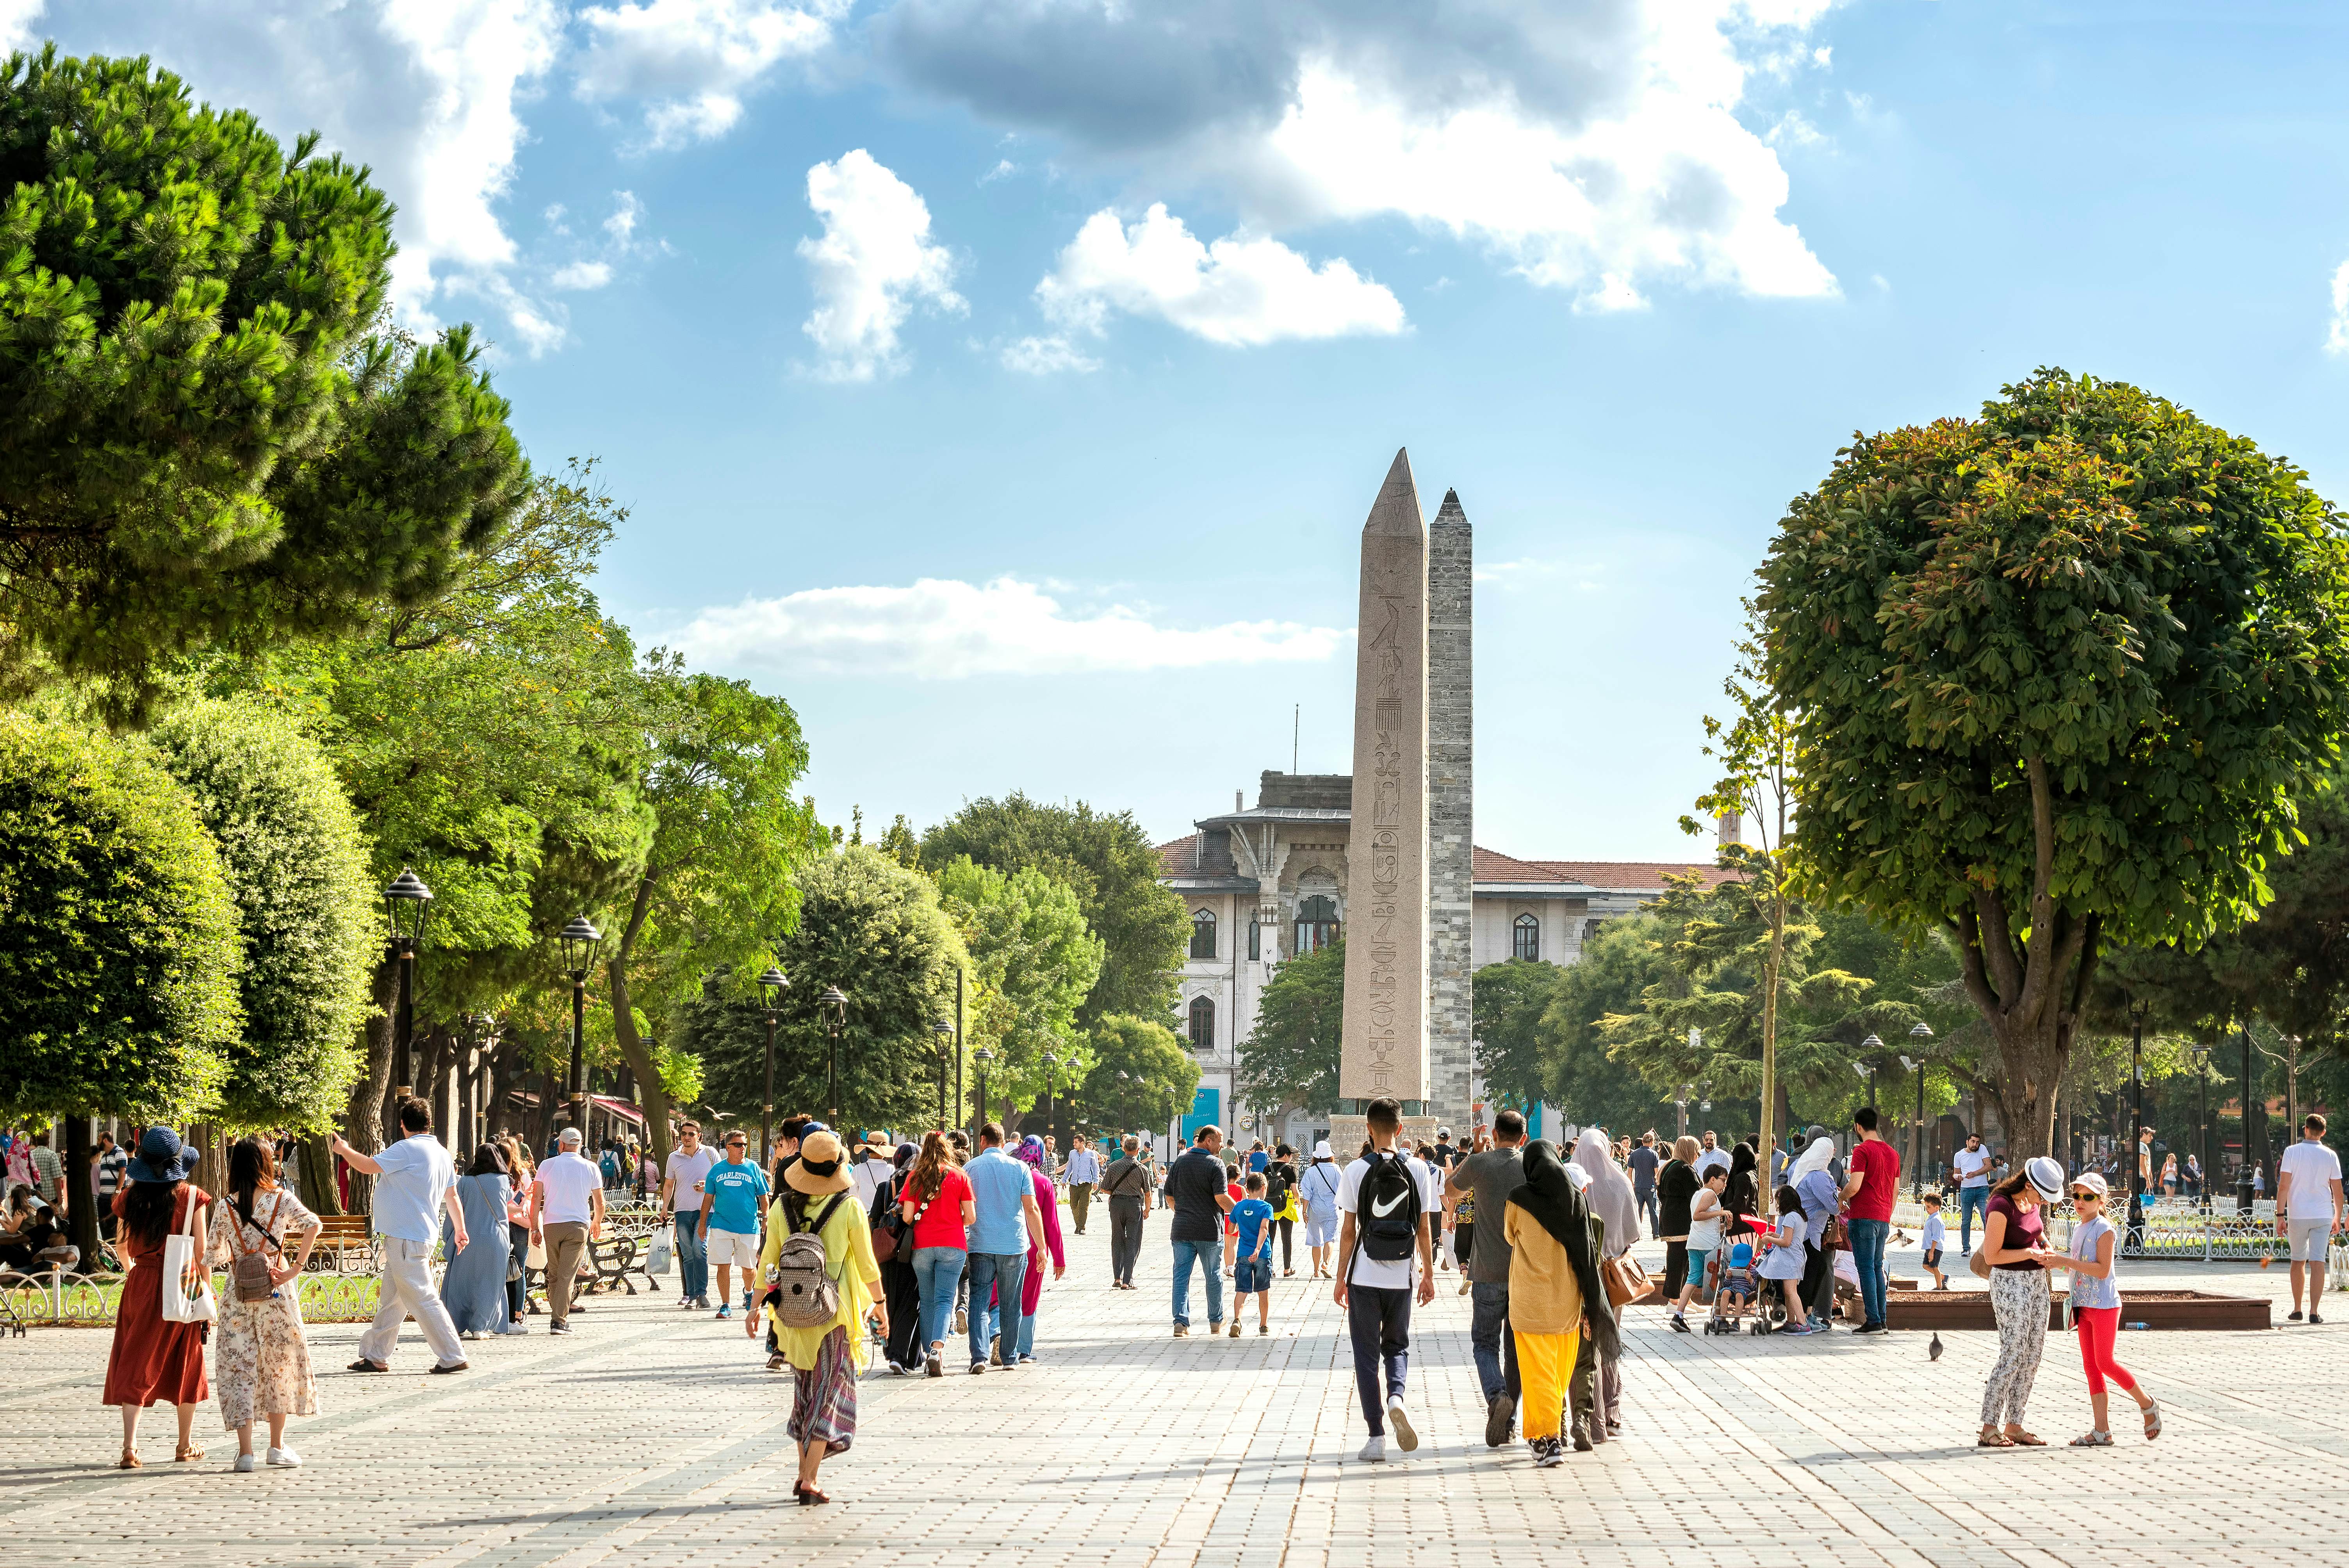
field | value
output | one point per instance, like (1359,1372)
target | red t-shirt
(941,1223)
(1880,1163)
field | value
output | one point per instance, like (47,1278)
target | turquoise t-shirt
(738,1186)
(1251,1215)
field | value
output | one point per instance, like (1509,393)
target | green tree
(1143,1077)
(1028,940)
(1112,866)
(875,930)
(1291,1057)
(297,866)
(119,944)
(1619,962)
(2059,675)
(204,448)
(1511,1044)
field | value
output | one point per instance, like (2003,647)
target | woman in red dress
(153,1359)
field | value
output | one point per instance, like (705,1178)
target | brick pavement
(654,1432)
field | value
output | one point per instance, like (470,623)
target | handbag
(182,1303)
(894,1233)
(1625,1280)
(536,1257)
(249,1270)
(1979,1261)
(656,1261)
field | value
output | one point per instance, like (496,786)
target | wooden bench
(345,1244)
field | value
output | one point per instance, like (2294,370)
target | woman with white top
(1318,1189)
(1706,1213)
(1784,1258)
(2097,1310)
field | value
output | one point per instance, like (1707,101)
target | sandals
(2152,1421)
(808,1494)
(364,1365)
(1993,1440)
(128,1462)
(187,1454)
(2025,1440)
(2093,1441)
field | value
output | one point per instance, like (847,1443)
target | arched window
(1525,938)
(1317,923)
(1202,934)
(1255,940)
(1203,1023)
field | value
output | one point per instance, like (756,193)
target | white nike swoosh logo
(1393,1205)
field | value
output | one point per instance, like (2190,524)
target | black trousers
(1675,1268)
(1286,1227)
(1125,1217)
(1819,1281)
(902,1293)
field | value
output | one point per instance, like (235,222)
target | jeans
(1489,1338)
(518,1279)
(1211,1255)
(692,1256)
(1971,1200)
(1003,1273)
(1651,1208)
(1379,1321)
(1026,1336)
(1125,1217)
(936,1270)
(1867,1238)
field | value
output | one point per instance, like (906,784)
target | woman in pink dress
(1032,1154)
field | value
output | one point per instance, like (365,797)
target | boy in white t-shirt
(680,1191)
(1937,1235)
(1386,1243)
(2308,1211)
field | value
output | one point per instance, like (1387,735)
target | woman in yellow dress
(824,1359)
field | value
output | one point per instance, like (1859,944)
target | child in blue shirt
(1252,1273)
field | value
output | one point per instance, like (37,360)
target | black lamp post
(1051,1061)
(2202,1123)
(982,1056)
(407,906)
(2137,1012)
(835,1013)
(944,1031)
(580,939)
(772,984)
(2243,1172)
(1874,1046)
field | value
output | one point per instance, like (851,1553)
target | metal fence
(88,1301)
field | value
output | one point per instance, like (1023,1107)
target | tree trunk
(638,1053)
(317,1176)
(81,1204)
(363,1115)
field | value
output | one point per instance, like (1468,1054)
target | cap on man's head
(569,1137)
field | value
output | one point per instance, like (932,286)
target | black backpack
(1387,1208)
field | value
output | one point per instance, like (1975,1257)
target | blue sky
(931,421)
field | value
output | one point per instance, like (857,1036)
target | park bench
(345,1246)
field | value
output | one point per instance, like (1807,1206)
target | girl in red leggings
(2097,1310)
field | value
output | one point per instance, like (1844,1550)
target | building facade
(1265,882)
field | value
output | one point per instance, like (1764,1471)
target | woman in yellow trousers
(1553,1280)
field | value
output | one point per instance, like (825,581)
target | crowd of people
(898,1249)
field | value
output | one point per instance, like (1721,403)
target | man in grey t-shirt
(1487,1179)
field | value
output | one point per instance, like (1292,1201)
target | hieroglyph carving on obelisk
(1383,1047)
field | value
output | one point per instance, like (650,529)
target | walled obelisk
(1384,1043)
(1451,812)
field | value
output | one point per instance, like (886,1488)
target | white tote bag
(179,1304)
(658,1263)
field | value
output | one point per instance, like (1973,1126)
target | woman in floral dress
(261,1359)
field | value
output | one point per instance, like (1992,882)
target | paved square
(655,1435)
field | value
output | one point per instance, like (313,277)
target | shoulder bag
(249,1270)
(183,1302)
(1625,1280)
(892,1238)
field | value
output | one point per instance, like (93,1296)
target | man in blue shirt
(733,1195)
(1083,1171)
(1004,1194)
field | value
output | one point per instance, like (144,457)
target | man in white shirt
(1714,1158)
(2309,1210)
(680,1192)
(1083,1171)
(1376,1289)
(1970,1169)
(415,1180)
(570,1214)
(873,1169)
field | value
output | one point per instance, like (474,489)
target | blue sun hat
(162,1156)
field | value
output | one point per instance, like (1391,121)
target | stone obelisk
(1383,1047)
(1451,812)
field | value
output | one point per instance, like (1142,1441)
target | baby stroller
(1729,1275)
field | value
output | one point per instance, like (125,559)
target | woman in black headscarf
(900,1291)
(1743,1196)
(1551,1199)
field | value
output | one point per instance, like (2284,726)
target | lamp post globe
(407,907)
(771,985)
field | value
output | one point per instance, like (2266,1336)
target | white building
(1265,882)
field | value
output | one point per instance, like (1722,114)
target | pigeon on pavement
(1933,1350)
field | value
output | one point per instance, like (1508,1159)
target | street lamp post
(1680,1112)
(2137,1012)
(2243,1172)
(982,1056)
(1920,1032)
(1050,1062)
(835,1013)
(944,1031)
(408,905)
(1875,1045)
(580,939)
(2201,1054)
(772,984)
(959,1102)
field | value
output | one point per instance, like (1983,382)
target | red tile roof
(1174,859)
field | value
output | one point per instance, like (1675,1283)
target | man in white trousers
(415,1178)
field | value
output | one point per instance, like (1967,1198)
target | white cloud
(1004,170)
(2336,340)
(582,275)
(1238,291)
(944,629)
(17,19)
(690,62)
(627,214)
(873,263)
(1046,356)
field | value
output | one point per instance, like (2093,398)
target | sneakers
(1582,1443)
(246,1464)
(1548,1451)
(995,1350)
(558,1328)
(962,1321)
(1869,1328)
(702,1302)
(726,1312)
(1236,1328)
(1263,1328)
(1680,1323)
(977,1367)
(1400,1419)
(284,1459)
(469,1333)
(687,1303)
(1182,1331)
(1500,1416)
(515,1328)
(932,1367)
(453,1367)
(1374,1452)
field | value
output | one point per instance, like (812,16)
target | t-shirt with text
(736,1188)
(1249,1217)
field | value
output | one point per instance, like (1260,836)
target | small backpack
(805,1295)
(1387,1208)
